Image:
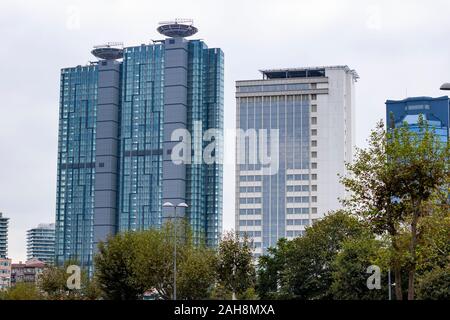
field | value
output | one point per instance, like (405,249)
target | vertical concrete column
(107,151)
(175,117)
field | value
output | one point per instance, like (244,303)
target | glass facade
(267,197)
(436,111)
(140,147)
(205,107)
(3,236)
(141,128)
(76,164)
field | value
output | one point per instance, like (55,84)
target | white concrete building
(313,110)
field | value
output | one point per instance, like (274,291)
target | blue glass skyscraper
(436,111)
(117,119)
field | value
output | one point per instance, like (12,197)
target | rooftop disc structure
(179,28)
(109,51)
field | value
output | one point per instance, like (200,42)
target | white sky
(399,48)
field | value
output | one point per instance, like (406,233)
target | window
(314,176)
(314,97)
(314,165)
(314,187)
(314,132)
(314,210)
(314,143)
(314,154)
(314,120)
(314,199)
(313,85)
(314,108)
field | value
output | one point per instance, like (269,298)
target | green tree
(114,268)
(350,269)
(22,291)
(53,283)
(308,272)
(235,269)
(390,184)
(270,269)
(197,276)
(130,264)
(435,285)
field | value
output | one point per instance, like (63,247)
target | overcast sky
(398,48)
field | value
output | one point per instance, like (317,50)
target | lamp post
(171,205)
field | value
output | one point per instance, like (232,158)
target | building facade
(119,120)
(28,272)
(3,236)
(5,273)
(436,111)
(311,113)
(41,243)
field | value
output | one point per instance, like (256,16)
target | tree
(132,263)
(22,291)
(308,272)
(235,269)
(350,269)
(53,283)
(435,285)
(197,276)
(114,269)
(390,184)
(270,268)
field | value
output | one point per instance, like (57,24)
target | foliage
(391,184)
(308,271)
(132,263)
(53,283)
(270,267)
(235,269)
(435,285)
(350,270)
(22,291)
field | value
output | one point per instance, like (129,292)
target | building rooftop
(307,72)
(177,28)
(415,99)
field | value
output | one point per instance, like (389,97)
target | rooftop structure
(309,72)
(179,28)
(109,51)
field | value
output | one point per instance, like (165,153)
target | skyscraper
(3,236)
(41,243)
(120,118)
(436,111)
(310,112)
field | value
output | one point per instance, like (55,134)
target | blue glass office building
(117,117)
(436,111)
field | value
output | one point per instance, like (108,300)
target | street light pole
(171,205)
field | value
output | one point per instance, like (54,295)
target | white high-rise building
(41,243)
(311,110)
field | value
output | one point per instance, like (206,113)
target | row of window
(250,234)
(249,211)
(250,189)
(249,200)
(297,222)
(249,223)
